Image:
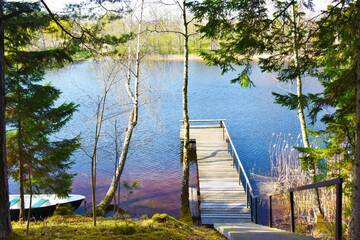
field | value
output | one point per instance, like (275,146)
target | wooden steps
(250,231)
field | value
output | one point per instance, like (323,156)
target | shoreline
(176,58)
(192,57)
(172,57)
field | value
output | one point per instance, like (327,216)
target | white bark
(133,117)
(299,92)
(186,125)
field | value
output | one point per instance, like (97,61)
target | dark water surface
(154,160)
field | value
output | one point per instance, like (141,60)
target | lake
(153,161)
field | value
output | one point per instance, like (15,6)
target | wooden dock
(222,198)
(225,193)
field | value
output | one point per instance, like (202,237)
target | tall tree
(133,93)
(10,11)
(186,124)
(5,225)
(31,114)
(184,33)
(336,49)
(245,30)
(355,229)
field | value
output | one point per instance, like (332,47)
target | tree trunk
(5,224)
(30,202)
(21,190)
(99,123)
(21,175)
(301,113)
(116,142)
(133,118)
(93,189)
(186,126)
(121,164)
(355,229)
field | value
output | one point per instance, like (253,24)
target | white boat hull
(43,205)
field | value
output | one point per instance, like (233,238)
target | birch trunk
(5,224)
(132,122)
(186,126)
(355,229)
(299,93)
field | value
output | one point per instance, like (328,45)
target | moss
(64,210)
(160,226)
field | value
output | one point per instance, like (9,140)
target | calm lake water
(154,161)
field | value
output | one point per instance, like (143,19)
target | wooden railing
(337,182)
(252,198)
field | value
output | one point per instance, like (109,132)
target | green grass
(160,226)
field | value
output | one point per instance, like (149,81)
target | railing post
(256,210)
(338,233)
(239,170)
(270,212)
(223,129)
(232,155)
(247,195)
(251,209)
(292,212)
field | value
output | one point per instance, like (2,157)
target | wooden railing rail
(337,182)
(235,156)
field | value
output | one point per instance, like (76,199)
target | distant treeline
(161,38)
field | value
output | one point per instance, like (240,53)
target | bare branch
(53,17)
(166,31)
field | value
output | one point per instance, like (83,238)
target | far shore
(172,57)
(192,57)
(178,58)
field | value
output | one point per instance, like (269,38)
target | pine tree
(244,30)
(33,116)
(337,51)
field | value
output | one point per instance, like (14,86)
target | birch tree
(133,93)
(245,30)
(185,34)
(186,124)
(108,75)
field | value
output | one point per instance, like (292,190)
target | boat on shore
(42,205)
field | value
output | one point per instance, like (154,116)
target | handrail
(325,183)
(338,218)
(205,120)
(237,158)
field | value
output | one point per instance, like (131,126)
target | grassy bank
(160,226)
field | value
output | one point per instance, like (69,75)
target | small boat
(42,205)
